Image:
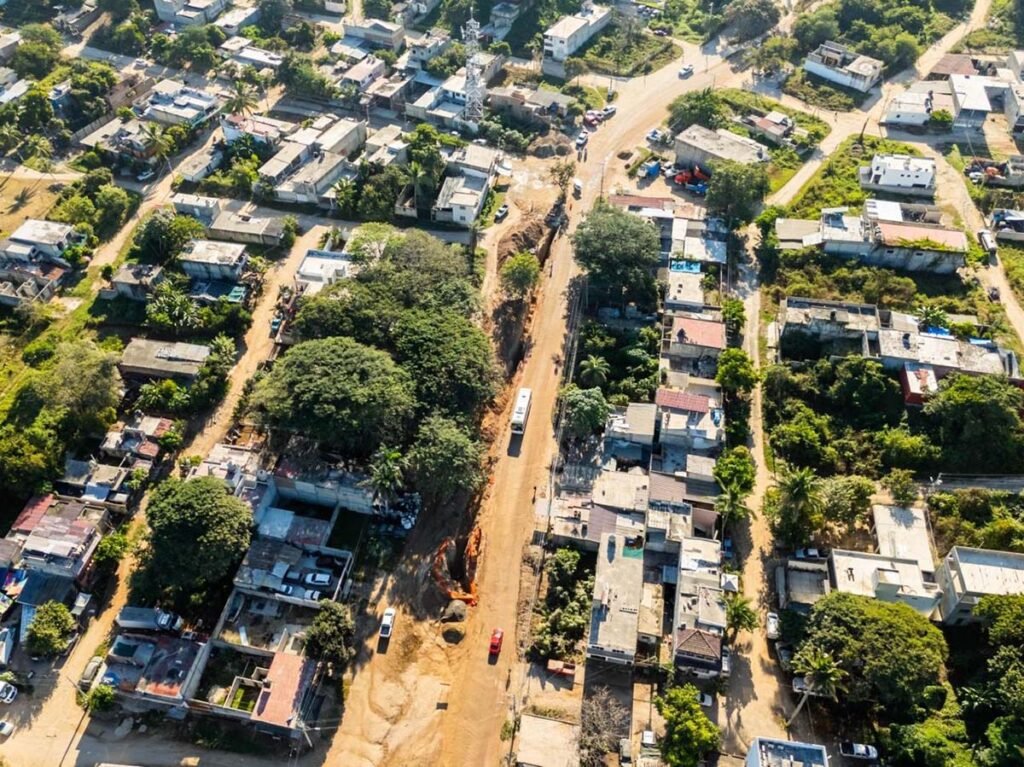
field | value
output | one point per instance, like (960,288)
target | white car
(772,626)
(8,692)
(318,579)
(858,751)
(609,110)
(705,700)
(808,553)
(146,175)
(686,71)
(582,139)
(6,729)
(311,595)
(285,589)
(387,623)
(726,662)
(141,63)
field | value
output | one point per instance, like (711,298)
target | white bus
(522,410)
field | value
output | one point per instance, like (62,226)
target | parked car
(312,595)
(772,626)
(686,70)
(661,33)
(577,188)
(8,692)
(91,669)
(582,139)
(6,729)
(501,213)
(994,294)
(809,553)
(318,579)
(286,589)
(705,700)
(146,175)
(387,623)
(497,637)
(625,751)
(858,751)
(785,653)
(987,241)
(726,662)
(609,110)
(800,685)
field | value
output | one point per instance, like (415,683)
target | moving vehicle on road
(577,188)
(497,637)
(609,110)
(501,213)
(853,750)
(387,623)
(686,70)
(772,626)
(988,242)
(521,412)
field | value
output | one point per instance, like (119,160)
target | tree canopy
(339,392)
(50,629)
(331,637)
(736,189)
(585,411)
(736,372)
(520,274)
(619,251)
(703,107)
(891,652)
(445,459)
(689,734)
(198,532)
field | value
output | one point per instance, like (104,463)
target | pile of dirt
(552,145)
(526,235)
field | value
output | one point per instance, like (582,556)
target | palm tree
(159,142)
(731,507)
(822,676)
(739,615)
(931,316)
(594,370)
(242,100)
(387,474)
(800,503)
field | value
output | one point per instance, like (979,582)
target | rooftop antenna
(476,89)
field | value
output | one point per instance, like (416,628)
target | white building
(363,74)
(189,12)
(37,238)
(570,33)
(966,575)
(909,108)
(210,260)
(843,66)
(235,19)
(321,268)
(885,578)
(614,616)
(172,103)
(768,752)
(698,145)
(900,174)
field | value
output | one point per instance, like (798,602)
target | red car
(496,638)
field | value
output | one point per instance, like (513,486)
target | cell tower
(476,90)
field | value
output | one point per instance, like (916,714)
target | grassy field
(997,36)
(819,93)
(21,199)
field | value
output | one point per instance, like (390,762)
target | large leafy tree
(739,615)
(619,251)
(800,513)
(198,532)
(520,274)
(704,107)
(978,422)
(165,234)
(445,459)
(331,637)
(891,652)
(736,372)
(339,392)
(689,734)
(750,18)
(585,411)
(84,380)
(736,189)
(50,628)
(735,470)
(449,358)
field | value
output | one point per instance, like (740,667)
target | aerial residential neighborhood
(542,383)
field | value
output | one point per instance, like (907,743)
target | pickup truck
(148,619)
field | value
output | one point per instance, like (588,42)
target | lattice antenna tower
(476,90)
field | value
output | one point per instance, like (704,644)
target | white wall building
(843,66)
(899,173)
(966,575)
(570,33)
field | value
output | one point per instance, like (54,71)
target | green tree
(774,54)
(941,119)
(619,251)
(731,507)
(561,174)
(111,551)
(331,637)
(100,698)
(739,615)
(800,512)
(735,470)
(242,99)
(704,107)
(339,392)
(272,13)
(750,18)
(172,310)
(978,423)
(39,51)
(520,274)
(444,460)
(449,358)
(370,241)
(83,380)
(689,734)
(112,205)
(812,29)
(118,9)
(736,190)
(387,474)
(584,411)
(929,315)
(846,499)
(901,486)
(198,533)
(734,315)
(736,372)
(34,113)
(50,629)
(594,371)
(891,652)
(822,676)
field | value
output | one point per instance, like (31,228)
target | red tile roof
(33,512)
(287,680)
(699,332)
(699,643)
(673,399)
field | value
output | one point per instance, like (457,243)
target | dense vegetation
(561,620)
